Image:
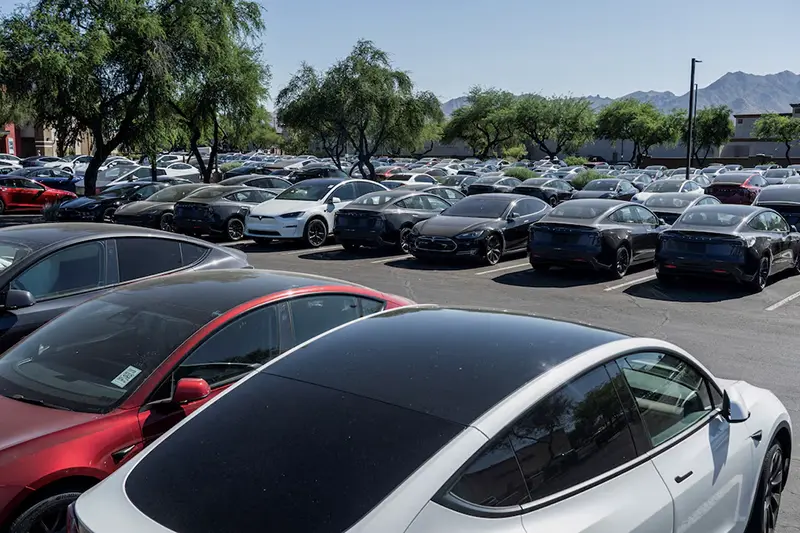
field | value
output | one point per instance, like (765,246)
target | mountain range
(742,92)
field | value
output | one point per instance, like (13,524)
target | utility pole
(694,115)
(689,139)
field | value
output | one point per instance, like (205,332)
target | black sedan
(785,199)
(158,210)
(669,206)
(601,234)
(484,226)
(271,183)
(50,268)
(490,184)
(50,176)
(640,181)
(256,168)
(740,242)
(384,218)
(461,181)
(451,194)
(218,210)
(607,189)
(101,208)
(552,191)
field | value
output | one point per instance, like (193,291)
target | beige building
(744,145)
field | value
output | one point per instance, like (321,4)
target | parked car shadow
(555,278)
(411,263)
(343,255)
(689,290)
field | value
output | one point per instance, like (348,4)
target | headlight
(749,241)
(471,234)
(295,214)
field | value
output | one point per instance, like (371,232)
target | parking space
(737,334)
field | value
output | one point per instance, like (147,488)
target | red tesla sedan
(22,194)
(93,387)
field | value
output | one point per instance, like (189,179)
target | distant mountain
(742,92)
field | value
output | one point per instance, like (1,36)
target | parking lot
(736,334)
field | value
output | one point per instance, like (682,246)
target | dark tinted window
(478,207)
(139,257)
(345,193)
(73,269)
(494,479)
(646,216)
(314,315)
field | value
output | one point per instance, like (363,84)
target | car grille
(74,214)
(435,244)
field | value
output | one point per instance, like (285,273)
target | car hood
(445,226)
(83,202)
(276,207)
(642,196)
(137,208)
(23,422)
(594,194)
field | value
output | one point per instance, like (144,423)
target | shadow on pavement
(555,278)
(689,290)
(344,255)
(411,263)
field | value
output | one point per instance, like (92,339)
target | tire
(493,250)
(316,232)
(49,514)
(2,207)
(234,229)
(622,262)
(167,222)
(759,281)
(351,247)
(767,502)
(261,241)
(553,201)
(402,240)
(108,215)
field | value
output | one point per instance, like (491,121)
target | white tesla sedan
(439,420)
(670,185)
(306,210)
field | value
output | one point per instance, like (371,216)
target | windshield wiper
(42,403)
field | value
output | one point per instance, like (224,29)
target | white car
(668,185)
(376,427)
(305,211)
(12,159)
(180,170)
(111,162)
(414,177)
(297,164)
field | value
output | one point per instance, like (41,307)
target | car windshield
(664,186)
(11,253)
(311,192)
(668,201)
(378,198)
(701,217)
(601,185)
(477,207)
(173,194)
(778,173)
(93,357)
(731,178)
(573,210)
(118,191)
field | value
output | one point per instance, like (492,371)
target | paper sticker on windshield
(126,377)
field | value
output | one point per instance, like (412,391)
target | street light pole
(694,115)
(690,140)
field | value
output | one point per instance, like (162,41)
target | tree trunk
(90,177)
(788,157)
(201,165)
(153,175)
(212,158)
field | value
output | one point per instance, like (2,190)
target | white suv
(305,211)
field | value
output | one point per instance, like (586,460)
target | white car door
(706,462)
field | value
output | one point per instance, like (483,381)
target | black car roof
(324,181)
(730,209)
(345,419)
(779,194)
(36,236)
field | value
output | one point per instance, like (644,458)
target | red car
(93,387)
(22,194)
(736,187)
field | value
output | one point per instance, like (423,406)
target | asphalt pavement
(736,334)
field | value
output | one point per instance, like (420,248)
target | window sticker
(126,376)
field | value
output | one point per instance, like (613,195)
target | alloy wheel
(763,272)
(405,233)
(623,261)
(166,223)
(772,492)
(235,229)
(2,207)
(108,214)
(317,233)
(493,250)
(553,201)
(53,521)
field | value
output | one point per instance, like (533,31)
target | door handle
(681,479)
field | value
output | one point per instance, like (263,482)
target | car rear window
(668,201)
(286,455)
(736,179)
(701,217)
(571,210)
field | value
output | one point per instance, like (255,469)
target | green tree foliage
(580,181)
(773,127)
(486,123)
(574,160)
(713,128)
(255,133)
(516,152)
(639,122)
(521,173)
(555,124)
(113,66)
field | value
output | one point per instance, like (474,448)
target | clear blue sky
(579,47)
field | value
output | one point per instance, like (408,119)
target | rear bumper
(702,267)
(364,237)
(567,257)
(188,226)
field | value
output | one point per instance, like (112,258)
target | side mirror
(734,408)
(19,299)
(335,200)
(190,390)
(662,222)
(793,229)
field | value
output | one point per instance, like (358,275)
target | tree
(713,127)
(779,128)
(515,152)
(639,122)
(555,124)
(486,123)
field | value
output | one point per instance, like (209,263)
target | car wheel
(767,503)
(108,214)
(316,233)
(49,514)
(351,247)
(494,250)
(402,241)
(235,229)
(622,262)
(2,207)
(166,222)
(759,281)
(553,201)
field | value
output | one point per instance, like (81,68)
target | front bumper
(79,215)
(274,227)
(445,247)
(143,221)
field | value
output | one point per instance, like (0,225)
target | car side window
(277,184)
(313,315)
(192,253)
(528,207)
(345,193)
(142,173)
(776,223)
(625,215)
(671,395)
(264,183)
(415,202)
(434,203)
(147,191)
(425,179)
(29,184)
(71,270)
(162,255)
(451,194)
(238,348)
(646,216)
(760,223)
(366,188)
(574,434)
(690,186)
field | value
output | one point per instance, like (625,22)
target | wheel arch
(783,436)
(46,488)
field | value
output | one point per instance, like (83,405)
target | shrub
(521,173)
(515,152)
(574,160)
(580,181)
(225,167)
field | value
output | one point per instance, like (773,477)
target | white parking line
(394,257)
(238,243)
(783,302)
(631,282)
(509,267)
(314,250)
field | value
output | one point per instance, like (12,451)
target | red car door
(35,195)
(15,193)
